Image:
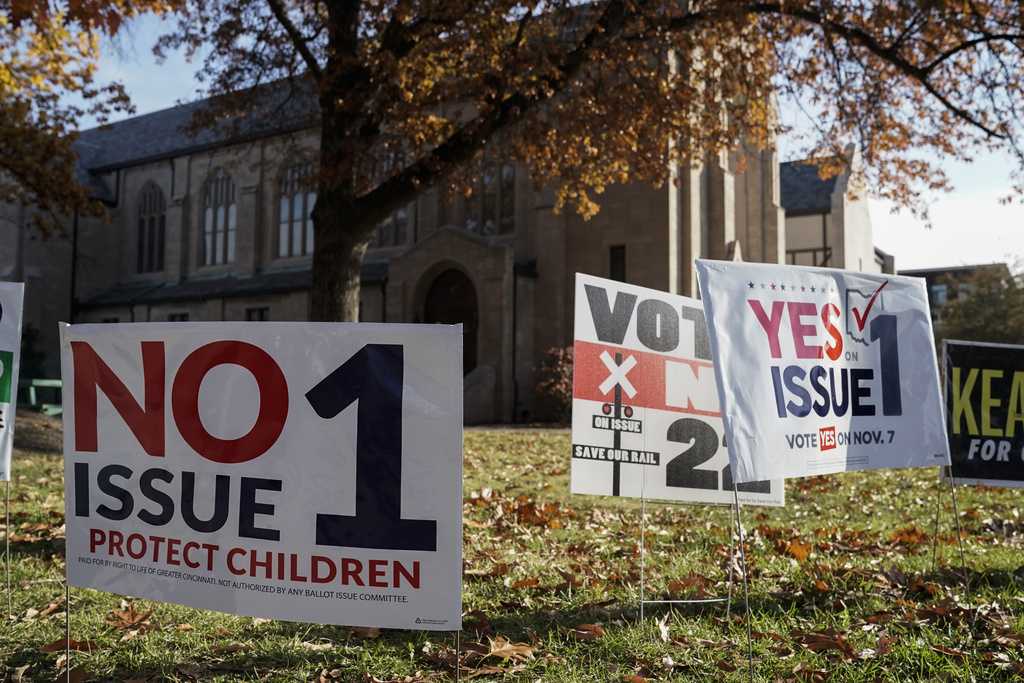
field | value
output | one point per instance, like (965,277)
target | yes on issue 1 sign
(309,472)
(11,295)
(645,415)
(985,412)
(823,370)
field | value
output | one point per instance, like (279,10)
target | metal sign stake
(746,590)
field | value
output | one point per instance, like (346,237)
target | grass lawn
(842,588)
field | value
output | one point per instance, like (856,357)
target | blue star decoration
(812,288)
(773,285)
(782,287)
(750,284)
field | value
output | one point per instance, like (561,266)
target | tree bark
(337,263)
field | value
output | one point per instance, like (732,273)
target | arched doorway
(451,299)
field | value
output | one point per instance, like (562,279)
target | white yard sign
(823,370)
(11,295)
(309,472)
(645,415)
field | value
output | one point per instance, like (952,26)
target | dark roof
(162,134)
(803,190)
(956,270)
(223,287)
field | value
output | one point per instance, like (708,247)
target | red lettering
(316,576)
(142,546)
(172,551)
(771,325)
(156,541)
(97,537)
(116,538)
(210,550)
(295,575)
(186,554)
(798,310)
(267,565)
(400,571)
(91,373)
(836,349)
(377,573)
(231,561)
(273,401)
(350,569)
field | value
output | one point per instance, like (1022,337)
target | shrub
(554,385)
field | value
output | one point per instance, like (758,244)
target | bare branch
(281,14)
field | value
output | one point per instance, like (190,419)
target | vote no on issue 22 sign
(985,412)
(645,414)
(309,472)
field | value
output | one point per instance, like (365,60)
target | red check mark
(861,319)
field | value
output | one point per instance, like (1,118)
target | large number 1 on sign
(373,376)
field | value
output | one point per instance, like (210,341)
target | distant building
(217,228)
(827,219)
(952,282)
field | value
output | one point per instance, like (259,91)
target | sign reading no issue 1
(985,412)
(266,469)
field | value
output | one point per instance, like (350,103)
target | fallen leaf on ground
(503,648)
(76,645)
(587,631)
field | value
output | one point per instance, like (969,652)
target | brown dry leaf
(77,675)
(229,648)
(51,608)
(128,618)
(825,642)
(634,678)
(949,651)
(885,644)
(910,536)
(693,583)
(184,627)
(503,648)
(76,645)
(526,583)
(587,631)
(798,550)
(365,632)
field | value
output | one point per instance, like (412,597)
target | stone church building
(211,228)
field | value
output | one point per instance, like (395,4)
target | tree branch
(888,54)
(296,37)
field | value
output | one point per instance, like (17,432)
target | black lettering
(114,491)
(249,508)
(610,323)
(657,325)
(220,503)
(859,393)
(165,502)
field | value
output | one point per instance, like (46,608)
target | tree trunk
(337,263)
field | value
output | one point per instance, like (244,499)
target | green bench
(30,393)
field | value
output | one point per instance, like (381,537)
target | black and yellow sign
(985,412)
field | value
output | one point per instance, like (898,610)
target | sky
(969,225)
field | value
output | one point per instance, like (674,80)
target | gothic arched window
(219,219)
(152,227)
(296,199)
